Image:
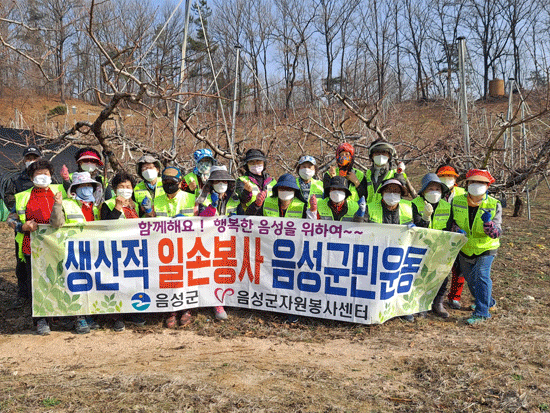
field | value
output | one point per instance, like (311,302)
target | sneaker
(119,326)
(219,313)
(473,307)
(475,319)
(454,304)
(185,319)
(408,317)
(81,326)
(42,327)
(94,325)
(136,320)
(171,321)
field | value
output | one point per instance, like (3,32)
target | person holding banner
(345,156)
(254,181)
(480,217)
(337,205)
(196,179)
(148,169)
(430,210)
(448,176)
(32,207)
(305,168)
(84,194)
(285,201)
(216,196)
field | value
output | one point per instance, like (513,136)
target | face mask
(150,174)
(343,160)
(432,197)
(391,199)
(42,181)
(204,167)
(88,167)
(285,195)
(85,193)
(256,169)
(28,163)
(337,196)
(125,193)
(171,187)
(306,174)
(220,187)
(477,189)
(380,160)
(449,182)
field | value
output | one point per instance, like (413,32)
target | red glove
(313,203)
(65,173)
(260,198)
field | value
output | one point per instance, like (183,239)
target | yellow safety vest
(181,204)
(376,214)
(478,241)
(326,213)
(441,215)
(111,204)
(372,194)
(354,195)
(294,210)
(73,212)
(256,189)
(230,207)
(141,191)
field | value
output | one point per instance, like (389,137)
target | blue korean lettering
(141,273)
(102,257)
(75,284)
(336,273)
(283,270)
(360,266)
(391,274)
(309,281)
(71,256)
(306,258)
(104,286)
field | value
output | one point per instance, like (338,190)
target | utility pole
(181,77)
(235,94)
(463,100)
(509,140)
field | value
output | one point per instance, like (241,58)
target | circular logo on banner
(141,301)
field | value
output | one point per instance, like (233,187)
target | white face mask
(88,167)
(42,181)
(380,160)
(432,197)
(337,196)
(220,187)
(449,182)
(124,192)
(306,174)
(391,199)
(150,174)
(28,163)
(256,169)
(285,195)
(477,189)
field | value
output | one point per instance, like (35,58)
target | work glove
(362,207)
(486,217)
(65,173)
(428,210)
(410,225)
(260,198)
(215,198)
(313,203)
(147,205)
(400,168)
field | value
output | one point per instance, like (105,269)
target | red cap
(91,156)
(482,175)
(447,171)
(345,147)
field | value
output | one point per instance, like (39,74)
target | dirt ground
(254,362)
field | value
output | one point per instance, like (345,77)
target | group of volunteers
(346,193)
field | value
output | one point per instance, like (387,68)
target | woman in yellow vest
(148,169)
(216,195)
(430,210)
(480,217)
(284,203)
(122,206)
(254,180)
(32,207)
(448,176)
(391,208)
(305,168)
(337,204)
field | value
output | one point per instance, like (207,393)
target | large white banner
(362,273)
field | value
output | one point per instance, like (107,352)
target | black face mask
(171,187)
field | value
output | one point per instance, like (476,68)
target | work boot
(438,308)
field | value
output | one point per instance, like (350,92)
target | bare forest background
(305,76)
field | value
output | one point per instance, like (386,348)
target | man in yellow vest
(173,202)
(480,217)
(430,210)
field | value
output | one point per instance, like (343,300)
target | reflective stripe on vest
(256,189)
(141,191)
(374,195)
(441,215)
(182,204)
(294,210)
(376,213)
(325,212)
(478,241)
(73,212)
(22,199)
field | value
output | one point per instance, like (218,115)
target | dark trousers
(23,274)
